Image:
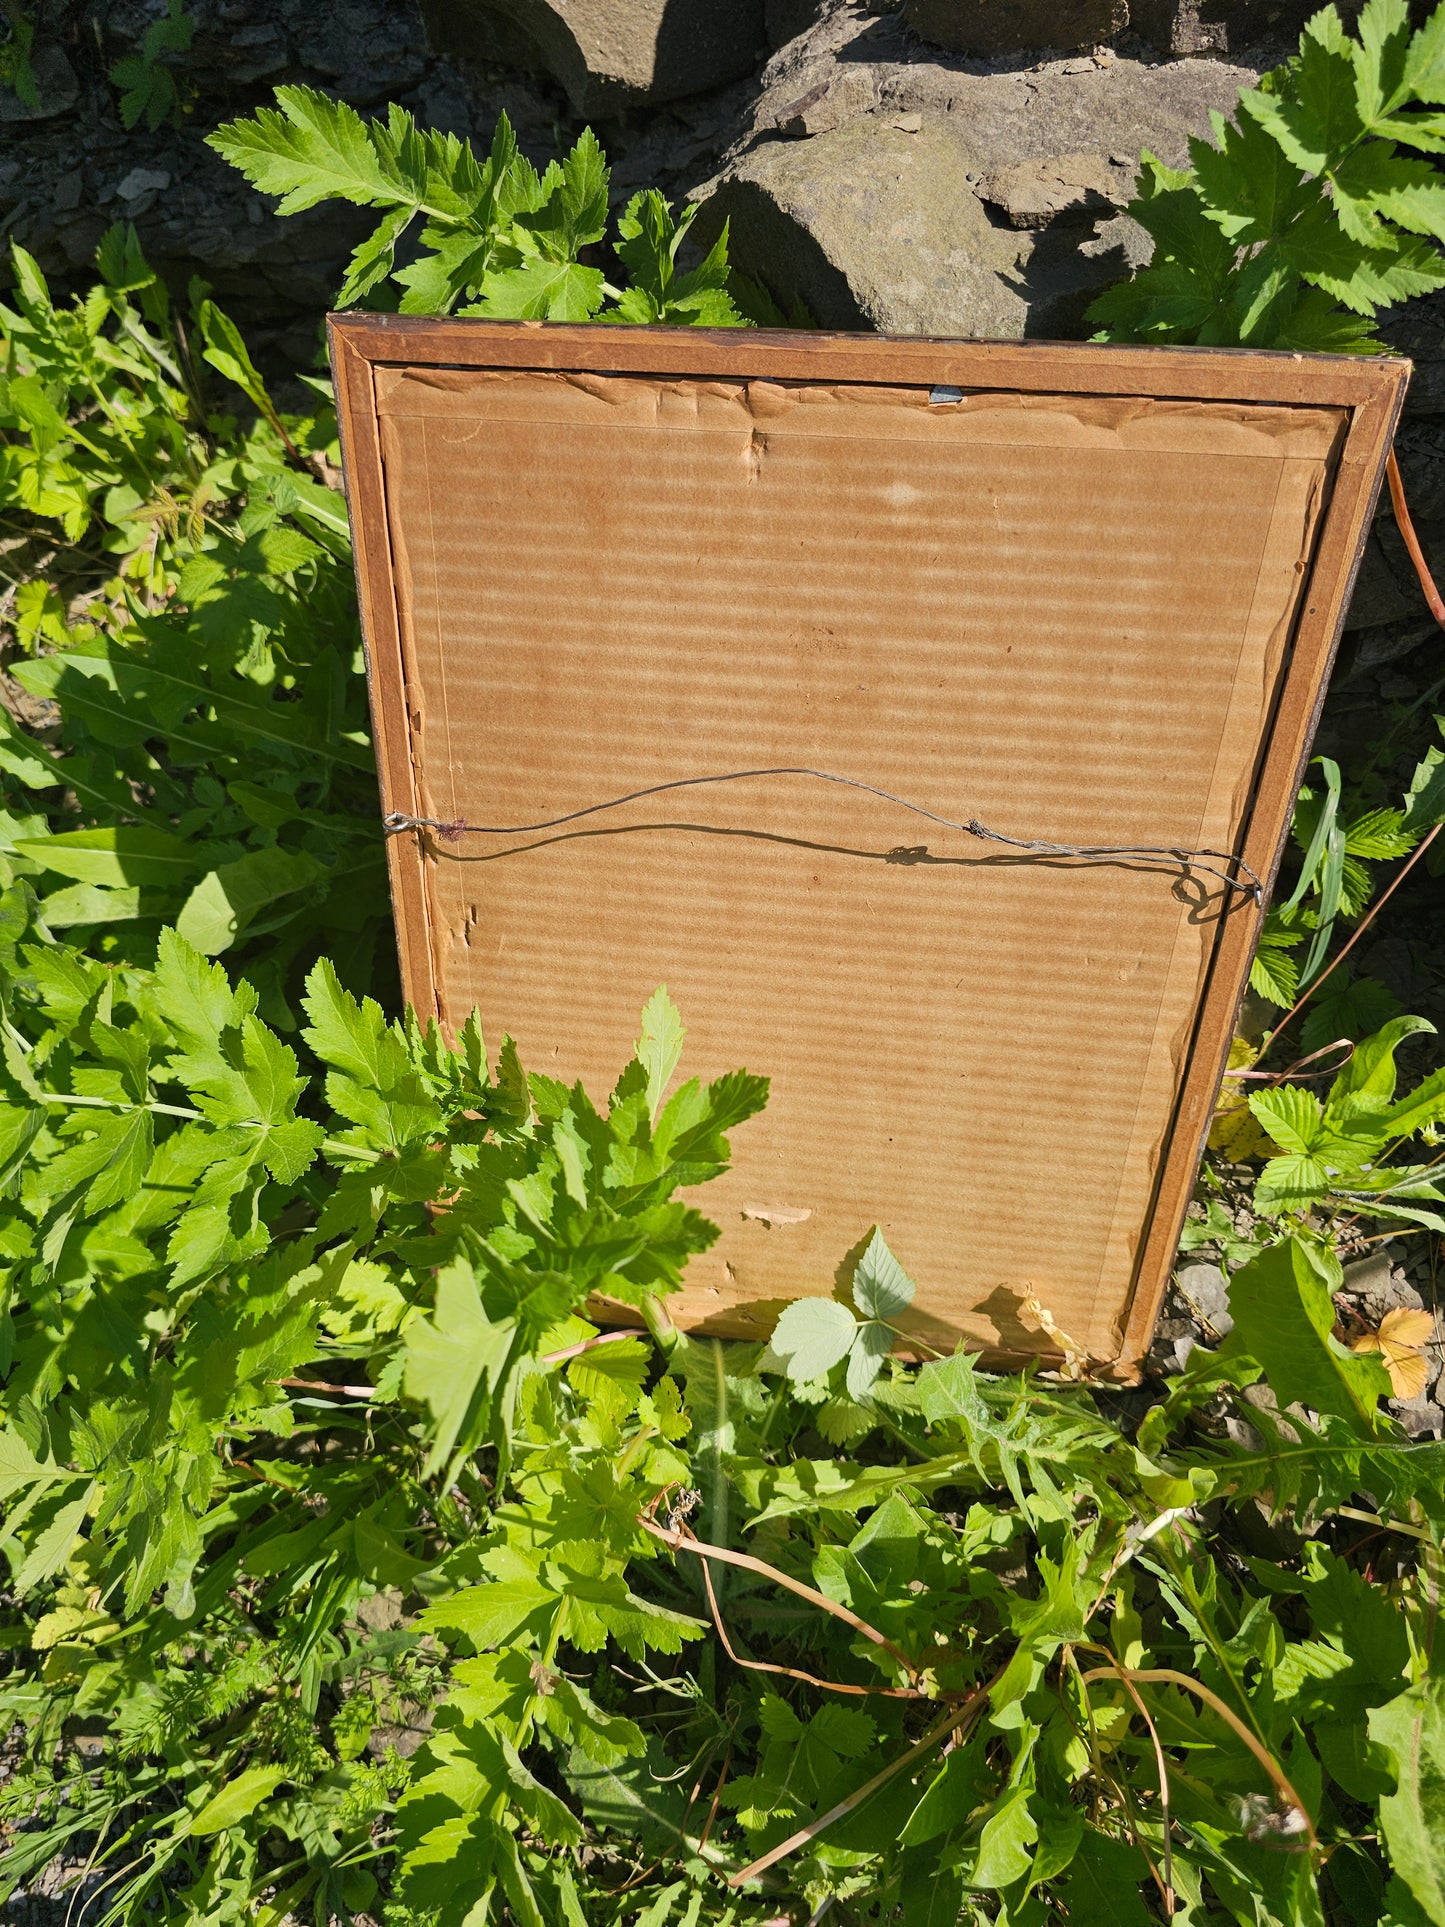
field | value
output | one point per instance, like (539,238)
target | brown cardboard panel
(1075,616)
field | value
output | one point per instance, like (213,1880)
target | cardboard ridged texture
(1082,595)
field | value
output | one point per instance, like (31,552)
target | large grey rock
(1205,1289)
(988,28)
(1065,189)
(991,27)
(786,19)
(56,89)
(1379,1285)
(885,190)
(869,225)
(1222,26)
(608,54)
(1100,105)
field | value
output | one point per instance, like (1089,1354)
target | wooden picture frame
(376,356)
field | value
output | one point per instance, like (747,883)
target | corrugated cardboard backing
(1066,616)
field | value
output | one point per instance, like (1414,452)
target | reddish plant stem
(1375,908)
(319,1385)
(1411,540)
(956,1717)
(587,1345)
(684,1542)
(791,1672)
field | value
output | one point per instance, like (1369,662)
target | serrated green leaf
(1294,1117)
(1412,1818)
(660,1045)
(493,1615)
(352,1037)
(373,259)
(881,1287)
(455,1361)
(541,290)
(313,149)
(1284,1315)
(52,1546)
(811,1336)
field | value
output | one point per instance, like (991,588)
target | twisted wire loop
(1236,873)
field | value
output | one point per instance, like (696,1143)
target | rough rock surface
(984,27)
(883,187)
(1221,26)
(608,54)
(69,172)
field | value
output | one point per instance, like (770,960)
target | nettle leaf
(541,290)
(1294,1118)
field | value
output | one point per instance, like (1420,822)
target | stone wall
(947,165)
(925,166)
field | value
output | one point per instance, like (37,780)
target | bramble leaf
(811,1336)
(881,1287)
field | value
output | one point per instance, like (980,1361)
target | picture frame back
(1069,595)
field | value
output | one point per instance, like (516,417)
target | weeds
(355,1573)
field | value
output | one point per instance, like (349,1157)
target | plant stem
(680,1542)
(1166,1676)
(1411,540)
(951,1720)
(1375,908)
(74,1102)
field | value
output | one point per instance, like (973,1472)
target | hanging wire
(1236,874)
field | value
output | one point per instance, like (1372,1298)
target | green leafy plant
(146,80)
(195,630)
(16,71)
(1339,1148)
(497,238)
(307,1438)
(1335,883)
(1314,207)
(357,1569)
